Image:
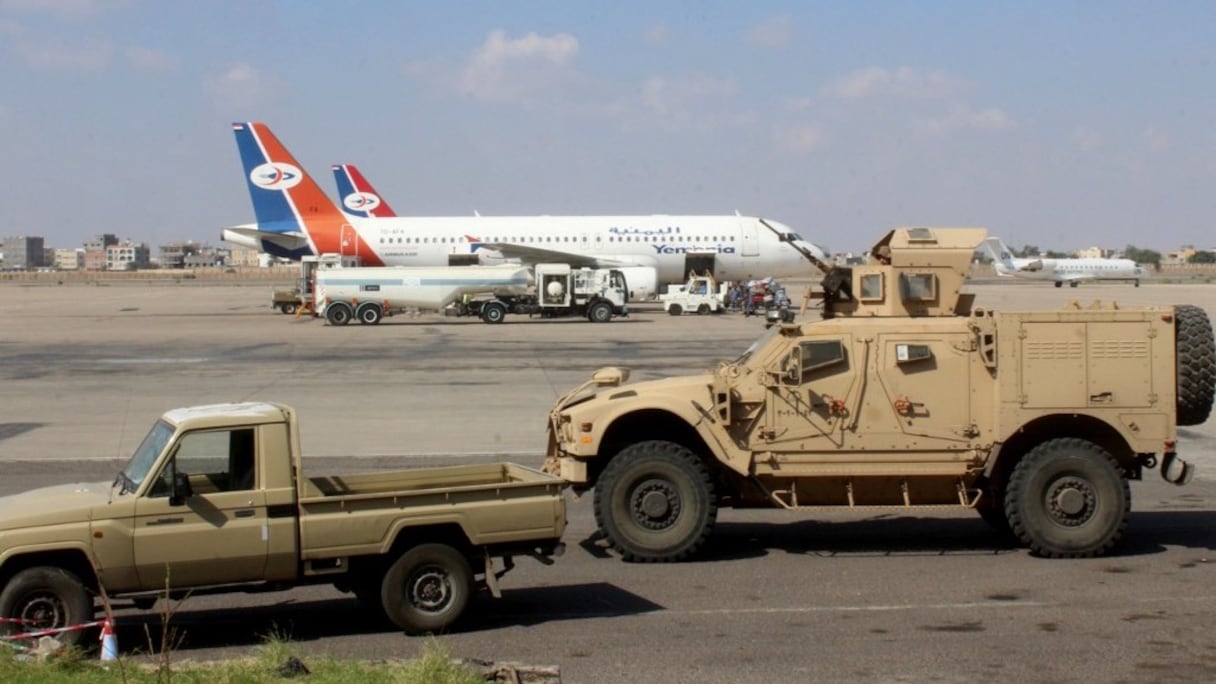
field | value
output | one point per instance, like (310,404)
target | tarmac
(88,368)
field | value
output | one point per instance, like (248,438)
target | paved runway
(822,596)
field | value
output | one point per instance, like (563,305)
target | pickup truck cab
(215,499)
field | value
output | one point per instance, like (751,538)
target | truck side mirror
(180,490)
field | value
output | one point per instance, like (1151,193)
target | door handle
(165,521)
(244,513)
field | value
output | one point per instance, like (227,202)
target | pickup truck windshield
(145,456)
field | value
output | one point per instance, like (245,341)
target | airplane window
(598,238)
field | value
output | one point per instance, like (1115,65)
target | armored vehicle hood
(57,505)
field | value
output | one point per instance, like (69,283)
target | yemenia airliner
(1060,271)
(295,218)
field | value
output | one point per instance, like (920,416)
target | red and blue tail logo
(357,196)
(287,200)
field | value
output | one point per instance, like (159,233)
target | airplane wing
(1070,277)
(536,255)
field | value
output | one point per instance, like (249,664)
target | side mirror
(181,489)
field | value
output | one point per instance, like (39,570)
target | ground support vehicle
(700,295)
(904,395)
(369,294)
(287,300)
(215,500)
(597,294)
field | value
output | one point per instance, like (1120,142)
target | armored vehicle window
(810,357)
(871,287)
(918,287)
(921,235)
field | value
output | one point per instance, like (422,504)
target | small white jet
(1060,271)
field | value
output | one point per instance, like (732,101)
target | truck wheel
(338,314)
(493,312)
(46,598)
(1196,364)
(600,312)
(1067,499)
(675,310)
(287,308)
(427,588)
(655,502)
(369,314)
(703,310)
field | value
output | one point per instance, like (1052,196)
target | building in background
(69,259)
(128,256)
(23,252)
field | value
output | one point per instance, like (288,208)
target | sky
(1059,124)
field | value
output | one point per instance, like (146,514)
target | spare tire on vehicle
(1196,364)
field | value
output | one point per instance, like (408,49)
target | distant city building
(1092,253)
(174,255)
(22,252)
(94,260)
(127,256)
(69,259)
(243,257)
(99,243)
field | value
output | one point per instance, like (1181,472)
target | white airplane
(1071,271)
(295,218)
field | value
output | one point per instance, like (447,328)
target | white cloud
(151,61)
(772,33)
(904,82)
(517,70)
(963,117)
(56,55)
(656,35)
(241,87)
(1156,139)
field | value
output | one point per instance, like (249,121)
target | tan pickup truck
(215,500)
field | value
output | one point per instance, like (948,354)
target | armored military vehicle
(905,394)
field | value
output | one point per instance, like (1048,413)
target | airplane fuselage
(733,247)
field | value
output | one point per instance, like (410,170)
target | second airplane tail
(356,196)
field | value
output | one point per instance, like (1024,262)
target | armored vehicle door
(812,388)
(926,385)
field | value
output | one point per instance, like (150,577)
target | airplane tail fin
(356,196)
(287,200)
(1001,255)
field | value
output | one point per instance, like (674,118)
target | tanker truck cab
(215,500)
(904,394)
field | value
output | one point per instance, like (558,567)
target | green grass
(434,666)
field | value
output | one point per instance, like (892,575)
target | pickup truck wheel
(338,314)
(370,314)
(702,309)
(46,598)
(287,308)
(675,310)
(1195,364)
(1068,499)
(427,588)
(493,312)
(600,312)
(655,502)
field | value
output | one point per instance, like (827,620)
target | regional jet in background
(356,196)
(295,216)
(1060,271)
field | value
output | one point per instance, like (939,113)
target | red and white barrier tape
(49,632)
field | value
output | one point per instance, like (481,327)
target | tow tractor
(699,295)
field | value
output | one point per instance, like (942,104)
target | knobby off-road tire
(655,502)
(427,588)
(1068,499)
(46,598)
(1196,364)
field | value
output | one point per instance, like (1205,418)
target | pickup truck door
(217,534)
